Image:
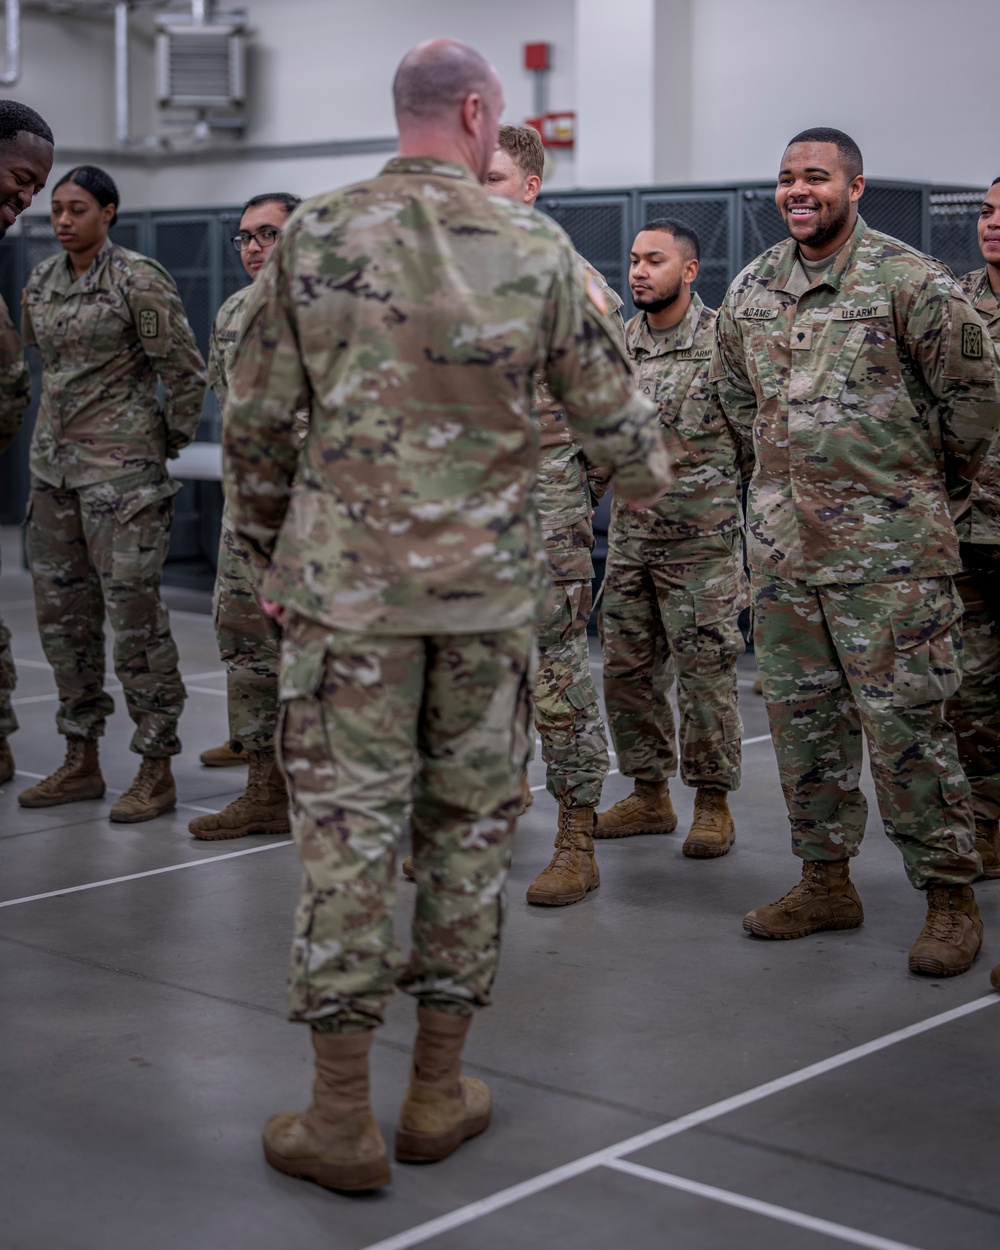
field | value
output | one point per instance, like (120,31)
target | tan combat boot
(261,808)
(825,898)
(6,762)
(407,869)
(336,1141)
(150,795)
(988,846)
(78,777)
(225,756)
(952,933)
(442,1108)
(526,798)
(572,873)
(647,809)
(712,830)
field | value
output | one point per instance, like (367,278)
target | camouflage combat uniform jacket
(15,380)
(107,340)
(411,314)
(704,497)
(871,401)
(981,524)
(222,343)
(568,487)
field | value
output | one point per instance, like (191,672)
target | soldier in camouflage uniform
(567,715)
(411,314)
(974,711)
(867,383)
(674,585)
(25,161)
(111,329)
(249,641)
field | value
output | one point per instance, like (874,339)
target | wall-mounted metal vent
(200,66)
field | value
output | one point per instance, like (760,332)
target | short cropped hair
(995,181)
(523,144)
(437,76)
(16,117)
(850,153)
(687,239)
(287,201)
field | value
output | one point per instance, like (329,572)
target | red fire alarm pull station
(536,56)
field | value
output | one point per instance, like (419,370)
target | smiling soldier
(867,383)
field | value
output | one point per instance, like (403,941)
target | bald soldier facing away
(410,314)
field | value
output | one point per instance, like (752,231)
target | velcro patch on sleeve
(149,323)
(972,340)
(595,294)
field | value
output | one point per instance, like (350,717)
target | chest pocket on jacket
(108,320)
(852,365)
(764,376)
(685,402)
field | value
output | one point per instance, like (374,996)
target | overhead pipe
(13,70)
(122,120)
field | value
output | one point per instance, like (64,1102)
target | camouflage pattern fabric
(567,715)
(412,508)
(410,315)
(95,548)
(15,394)
(672,608)
(870,394)
(249,641)
(8,681)
(871,400)
(877,658)
(974,712)
(674,585)
(107,341)
(358,711)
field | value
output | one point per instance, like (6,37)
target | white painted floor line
(188,807)
(19,603)
(853,1236)
(538,1184)
(138,876)
(212,672)
(203,689)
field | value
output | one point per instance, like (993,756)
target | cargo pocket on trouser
(928,650)
(142,535)
(301,745)
(718,639)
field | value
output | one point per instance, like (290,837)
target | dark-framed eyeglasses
(263,238)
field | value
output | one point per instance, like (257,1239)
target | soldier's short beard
(826,234)
(662,303)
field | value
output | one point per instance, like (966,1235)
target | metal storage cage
(734,222)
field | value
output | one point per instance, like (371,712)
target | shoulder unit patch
(149,323)
(972,340)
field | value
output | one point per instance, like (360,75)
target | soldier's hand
(276,611)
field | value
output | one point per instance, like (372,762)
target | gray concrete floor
(660,1079)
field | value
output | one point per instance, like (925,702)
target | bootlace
(709,811)
(943,920)
(145,781)
(74,753)
(562,860)
(802,892)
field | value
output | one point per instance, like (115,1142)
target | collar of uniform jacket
(981,296)
(428,165)
(88,281)
(681,338)
(786,261)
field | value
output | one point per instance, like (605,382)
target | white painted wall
(666,90)
(913,81)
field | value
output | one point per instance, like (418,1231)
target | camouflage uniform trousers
(974,712)
(673,607)
(8,682)
(375,728)
(249,644)
(878,657)
(101,547)
(567,716)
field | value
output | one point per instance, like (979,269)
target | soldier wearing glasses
(248,640)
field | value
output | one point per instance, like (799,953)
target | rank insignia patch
(972,341)
(149,323)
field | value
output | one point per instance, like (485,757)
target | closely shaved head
(437,75)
